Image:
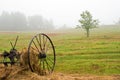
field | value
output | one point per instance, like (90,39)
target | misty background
(17,21)
(28,15)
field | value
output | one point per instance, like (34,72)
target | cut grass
(99,54)
(102,64)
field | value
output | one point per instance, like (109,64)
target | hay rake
(41,55)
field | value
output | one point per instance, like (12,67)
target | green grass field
(97,55)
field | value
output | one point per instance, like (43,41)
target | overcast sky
(65,11)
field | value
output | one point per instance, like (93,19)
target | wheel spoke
(40,66)
(48,66)
(38,42)
(50,60)
(36,46)
(44,42)
(44,68)
(43,65)
(47,48)
(33,48)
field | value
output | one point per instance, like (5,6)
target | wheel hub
(41,55)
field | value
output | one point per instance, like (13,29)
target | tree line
(17,21)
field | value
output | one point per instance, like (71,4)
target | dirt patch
(19,73)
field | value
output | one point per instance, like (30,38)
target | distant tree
(13,21)
(48,25)
(87,22)
(5,21)
(18,21)
(37,22)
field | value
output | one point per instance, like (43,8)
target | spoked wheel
(41,54)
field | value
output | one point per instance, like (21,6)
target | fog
(52,14)
(17,21)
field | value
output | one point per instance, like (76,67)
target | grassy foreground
(99,54)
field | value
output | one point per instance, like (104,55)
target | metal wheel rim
(46,66)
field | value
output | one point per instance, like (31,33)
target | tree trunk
(87,32)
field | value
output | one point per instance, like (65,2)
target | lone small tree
(87,22)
